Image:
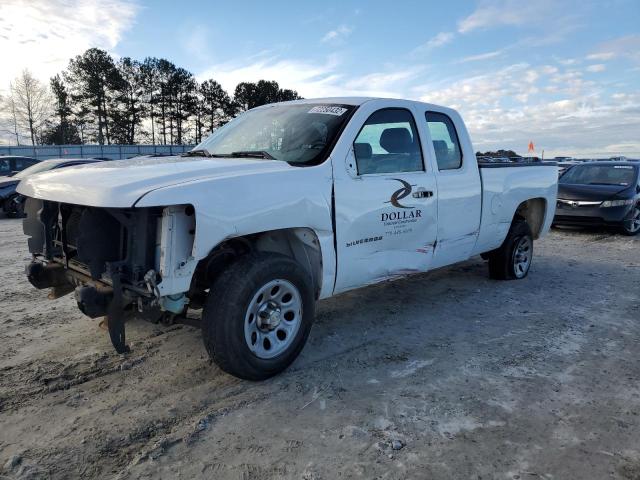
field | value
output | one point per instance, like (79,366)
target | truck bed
(485,164)
(507,185)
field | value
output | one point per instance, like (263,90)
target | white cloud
(482,56)
(307,78)
(313,79)
(383,84)
(601,56)
(42,35)
(504,12)
(571,82)
(547,21)
(338,35)
(568,61)
(627,46)
(439,40)
(487,90)
(559,110)
(503,108)
(195,42)
(599,67)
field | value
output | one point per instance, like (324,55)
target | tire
(250,331)
(14,207)
(512,260)
(631,227)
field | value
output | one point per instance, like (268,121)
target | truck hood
(567,191)
(121,183)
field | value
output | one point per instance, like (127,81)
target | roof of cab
(357,101)
(340,100)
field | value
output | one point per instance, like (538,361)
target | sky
(563,74)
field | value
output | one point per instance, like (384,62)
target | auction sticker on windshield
(328,110)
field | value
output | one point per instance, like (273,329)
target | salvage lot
(464,376)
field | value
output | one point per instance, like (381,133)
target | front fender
(242,205)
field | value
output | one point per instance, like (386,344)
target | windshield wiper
(240,154)
(197,153)
(253,154)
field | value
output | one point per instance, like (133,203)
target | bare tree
(30,102)
(10,118)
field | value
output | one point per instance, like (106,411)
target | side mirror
(350,163)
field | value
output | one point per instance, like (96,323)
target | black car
(600,194)
(12,164)
(11,201)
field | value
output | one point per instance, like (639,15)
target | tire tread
(225,304)
(500,264)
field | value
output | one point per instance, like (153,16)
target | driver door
(385,202)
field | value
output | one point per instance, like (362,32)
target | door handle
(422,193)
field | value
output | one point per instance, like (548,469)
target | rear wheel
(512,260)
(258,315)
(632,225)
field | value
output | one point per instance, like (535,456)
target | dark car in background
(565,165)
(12,164)
(12,202)
(603,193)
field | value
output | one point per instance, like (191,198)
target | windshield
(294,133)
(38,167)
(600,175)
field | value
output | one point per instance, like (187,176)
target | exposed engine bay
(114,260)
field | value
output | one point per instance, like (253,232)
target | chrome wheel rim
(273,318)
(633,224)
(522,257)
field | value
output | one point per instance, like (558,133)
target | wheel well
(301,244)
(533,211)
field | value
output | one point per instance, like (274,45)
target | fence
(113,152)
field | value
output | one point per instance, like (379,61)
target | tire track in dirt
(142,441)
(24,383)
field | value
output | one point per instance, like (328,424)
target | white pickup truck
(287,204)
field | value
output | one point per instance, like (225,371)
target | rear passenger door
(459,187)
(385,199)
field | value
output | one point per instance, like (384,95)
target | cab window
(22,163)
(445,141)
(388,142)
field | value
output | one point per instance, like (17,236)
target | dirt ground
(443,376)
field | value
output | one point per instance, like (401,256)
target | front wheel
(14,206)
(257,315)
(512,260)
(632,225)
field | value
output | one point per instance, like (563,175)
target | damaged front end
(117,261)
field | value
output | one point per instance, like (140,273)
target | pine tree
(95,81)
(250,95)
(216,104)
